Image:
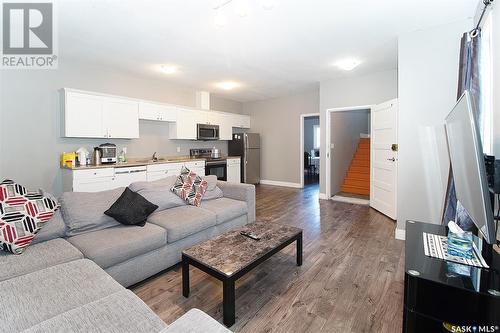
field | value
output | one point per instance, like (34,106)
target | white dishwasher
(126,176)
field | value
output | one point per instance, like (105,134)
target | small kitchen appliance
(108,153)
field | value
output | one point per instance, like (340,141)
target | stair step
(358,175)
(355,190)
(362,183)
(360,169)
(360,163)
(362,157)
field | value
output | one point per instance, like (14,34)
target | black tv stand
(436,296)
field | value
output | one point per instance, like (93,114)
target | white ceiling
(271,52)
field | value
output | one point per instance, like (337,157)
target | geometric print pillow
(22,215)
(190,187)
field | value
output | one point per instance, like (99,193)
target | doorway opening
(310,142)
(348,156)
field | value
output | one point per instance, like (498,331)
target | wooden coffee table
(231,255)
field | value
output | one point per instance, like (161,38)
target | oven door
(216,168)
(207,132)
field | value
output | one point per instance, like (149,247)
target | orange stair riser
(358,175)
(357,183)
(355,190)
(360,169)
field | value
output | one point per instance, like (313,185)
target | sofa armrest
(195,321)
(242,192)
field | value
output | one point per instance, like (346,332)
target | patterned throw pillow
(22,215)
(190,187)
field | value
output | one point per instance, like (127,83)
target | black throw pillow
(131,208)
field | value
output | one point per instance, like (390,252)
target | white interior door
(384,158)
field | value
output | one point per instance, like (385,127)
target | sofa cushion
(22,215)
(159,193)
(84,212)
(196,321)
(120,312)
(36,257)
(131,208)
(226,209)
(32,298)
(112,246)
(190,187)
(54,228)
(181,222)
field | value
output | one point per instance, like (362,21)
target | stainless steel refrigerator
(247,145)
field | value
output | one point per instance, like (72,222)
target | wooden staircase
(357,180)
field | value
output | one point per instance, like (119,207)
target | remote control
(250,234)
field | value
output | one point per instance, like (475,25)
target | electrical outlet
(178,149)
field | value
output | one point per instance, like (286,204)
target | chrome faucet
(154,158)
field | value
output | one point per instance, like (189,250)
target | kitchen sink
(151,161)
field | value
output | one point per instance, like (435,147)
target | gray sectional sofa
(73,277)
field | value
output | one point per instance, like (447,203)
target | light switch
(332,145)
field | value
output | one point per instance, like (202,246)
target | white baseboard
(322,196)
(356,201)
(400,234)
(364,136)
(277,183)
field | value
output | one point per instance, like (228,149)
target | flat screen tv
(469,171)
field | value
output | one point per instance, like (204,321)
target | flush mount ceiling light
(169,69)
(227,85)
(347,64)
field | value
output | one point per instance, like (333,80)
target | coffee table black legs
(185,277)
(299,250)
(228,302)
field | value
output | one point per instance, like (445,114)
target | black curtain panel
(469,78)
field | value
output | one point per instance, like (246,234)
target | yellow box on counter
(68,160)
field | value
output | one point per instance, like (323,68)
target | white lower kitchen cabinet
(126,176)
(234,170)
(103,179)
(160,171)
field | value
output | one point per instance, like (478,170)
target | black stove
(213,165)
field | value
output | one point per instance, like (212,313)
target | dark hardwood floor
(351,279)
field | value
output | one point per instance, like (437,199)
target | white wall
(353,91)
(30,127)
(428,78)
(278,122)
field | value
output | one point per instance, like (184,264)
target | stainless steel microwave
(207,132)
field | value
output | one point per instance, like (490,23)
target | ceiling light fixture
(227,85)
(169,69)
(348,64)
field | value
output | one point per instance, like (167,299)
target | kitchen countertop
(136,162)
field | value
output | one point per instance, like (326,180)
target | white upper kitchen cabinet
(157,111)
(89,115)
(83,116)
(120,118)
(241,120)
(225,127)
(185,126)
